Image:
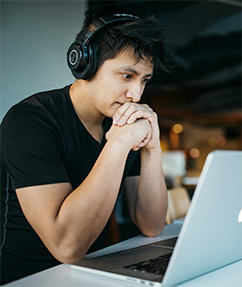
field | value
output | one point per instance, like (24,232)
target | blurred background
(198,104)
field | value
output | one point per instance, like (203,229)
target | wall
(35,36)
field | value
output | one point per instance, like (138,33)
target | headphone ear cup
(80,74)
(92,63)
(89,67)
(77,59)
(74,57)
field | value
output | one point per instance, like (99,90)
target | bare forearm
(87,209)
(151,202)
(68,221)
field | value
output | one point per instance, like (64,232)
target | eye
(146,80)
(127,76)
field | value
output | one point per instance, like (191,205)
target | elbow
(151,228)
(69,259)
(68,248)
(69,255)
(155,231)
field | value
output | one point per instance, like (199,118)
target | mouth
(119,104)
(116,107)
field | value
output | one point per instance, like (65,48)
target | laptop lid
(211,236)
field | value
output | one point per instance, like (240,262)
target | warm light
(164,145)
(177,128)
(194,153)
(212,141)
(221,141)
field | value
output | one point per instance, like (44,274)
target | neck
(90,118)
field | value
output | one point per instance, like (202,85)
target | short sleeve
(31,147)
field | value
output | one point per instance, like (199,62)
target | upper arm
(41,205)
(31,148)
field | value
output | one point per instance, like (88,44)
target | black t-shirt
(42,142)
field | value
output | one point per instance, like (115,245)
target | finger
(120,112)
(140,145)
(140,114)
(127,109)
(135,148)
(123,113)
(144,141)
(133,112)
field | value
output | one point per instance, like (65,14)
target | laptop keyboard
(155,265)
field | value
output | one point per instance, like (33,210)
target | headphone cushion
(92,62)
(82,69)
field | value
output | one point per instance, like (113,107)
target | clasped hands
(138,121)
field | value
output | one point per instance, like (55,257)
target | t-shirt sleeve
(32,147)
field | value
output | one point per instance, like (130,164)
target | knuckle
(147,107)
(132,108)
(118,114)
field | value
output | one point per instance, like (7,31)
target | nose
(135,92)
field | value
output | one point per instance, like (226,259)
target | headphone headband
(102,22)
(80,55)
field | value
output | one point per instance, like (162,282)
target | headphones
(81,57)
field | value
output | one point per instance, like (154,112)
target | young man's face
(118,81)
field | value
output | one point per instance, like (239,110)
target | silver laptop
(211,235)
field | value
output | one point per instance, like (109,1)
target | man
(65,153)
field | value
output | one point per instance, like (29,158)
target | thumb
(108,133)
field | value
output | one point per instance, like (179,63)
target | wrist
(155,151)
(121,142)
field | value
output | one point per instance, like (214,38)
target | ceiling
(205,39)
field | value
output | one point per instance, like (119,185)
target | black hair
(145,36)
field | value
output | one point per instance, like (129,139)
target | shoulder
(36,118)
(43,106)
(47,101)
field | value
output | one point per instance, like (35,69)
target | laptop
(210,238)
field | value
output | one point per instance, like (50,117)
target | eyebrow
(132,70)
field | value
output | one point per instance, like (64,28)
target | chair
(178,204)
(113,236)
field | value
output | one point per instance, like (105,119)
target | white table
(63,275)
